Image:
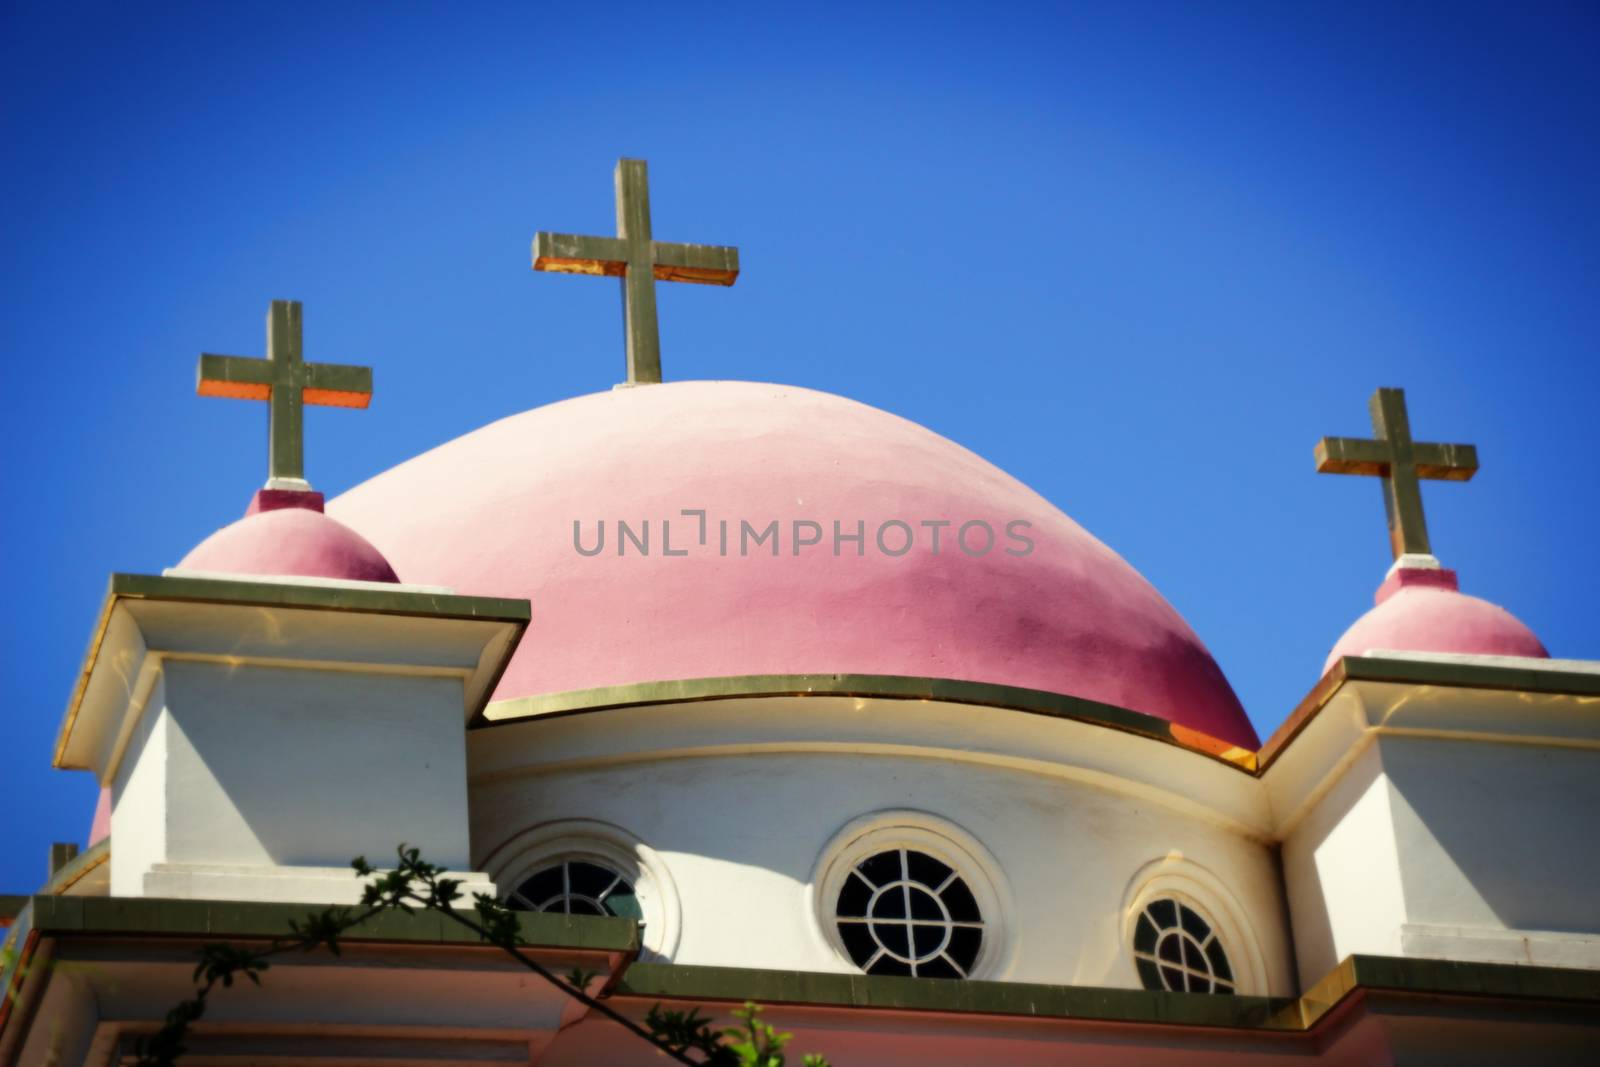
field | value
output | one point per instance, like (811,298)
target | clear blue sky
(1139,255)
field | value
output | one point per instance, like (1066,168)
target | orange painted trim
(608,268)
(698,275)
(336,398)
(233,390)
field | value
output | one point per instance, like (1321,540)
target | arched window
(577,887)
(1176,949)
(589,867)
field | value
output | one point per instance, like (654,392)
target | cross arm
(566,253)
(704,264)
(1352,455)
(236,377)
(1447,463)
(244,378)
(1358,455)
(338,385)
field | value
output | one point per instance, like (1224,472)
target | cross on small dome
(287,383)
(1400,462)
(1419,607)
(284,531)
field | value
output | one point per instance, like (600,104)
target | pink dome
(290,541)
(1422,611)
(493,513)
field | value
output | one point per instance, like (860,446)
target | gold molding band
(879,686)
(1041,702)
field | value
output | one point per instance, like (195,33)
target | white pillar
(256,736)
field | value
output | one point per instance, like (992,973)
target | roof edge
(217,919)
(334,596)
(292,595)
(1416,671)
(1290,1015)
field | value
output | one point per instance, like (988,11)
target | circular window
(577,887)
(903,912)
(1176,949)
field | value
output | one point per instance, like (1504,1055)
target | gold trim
(880,686)
(81,684)
(1301,716)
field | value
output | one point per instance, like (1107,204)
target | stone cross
(286,382)
(640,262)
(1400,462)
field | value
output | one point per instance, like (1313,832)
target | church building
(742,691)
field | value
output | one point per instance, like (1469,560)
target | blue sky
(1139,255)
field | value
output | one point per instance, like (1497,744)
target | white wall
(139,808)
(1497,835)
(252,749)
(741,819)
(1341,870)
(310,767)
(1442,822)
(243,766)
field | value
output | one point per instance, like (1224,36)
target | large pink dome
(1421,610)
(290,542)
(493,513)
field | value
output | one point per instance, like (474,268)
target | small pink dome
(1422,611)
(290,541)
(1070,616)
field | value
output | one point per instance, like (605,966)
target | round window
(577,887)
(1176,949)
(903,912)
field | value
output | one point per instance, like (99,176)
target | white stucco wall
(237,767)
(139,792)
(302,765)
(740,815)
(1341,871)
(256,737)
(1442,822)
(1497,835)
